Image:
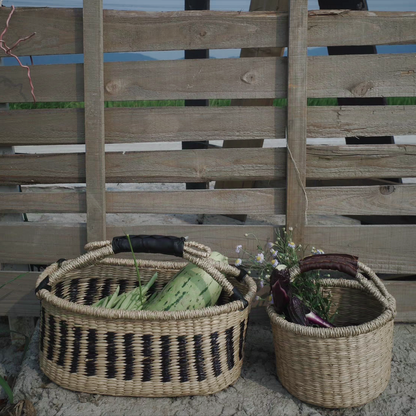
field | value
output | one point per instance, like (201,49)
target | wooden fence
(388,249)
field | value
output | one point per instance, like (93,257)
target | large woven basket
(346,366)
(140,353)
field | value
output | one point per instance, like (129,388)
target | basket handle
(350,265)
(196,253)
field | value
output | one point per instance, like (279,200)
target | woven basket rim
(338,332)
(91,311)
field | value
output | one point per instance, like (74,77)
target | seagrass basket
(348,365)
(140,353)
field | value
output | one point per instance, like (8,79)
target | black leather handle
(150,244)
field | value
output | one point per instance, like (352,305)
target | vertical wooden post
(94,119)
(297,202)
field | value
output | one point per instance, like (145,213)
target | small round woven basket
(140,353)
(345,366)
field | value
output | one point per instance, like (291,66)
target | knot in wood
(387,189)
(112,87)
(203,33)
(361,90)
(249,77)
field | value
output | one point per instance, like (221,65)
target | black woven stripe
(147,362)
(229,345)
(129,354)
(215,353)
(183,360)
(63,329)
(106,288)
(91,292)
(240,350)
(51,343)
(73,290)
(199,358)
(165,358)
(123,286)
(91,353)
(76,349)
(111,355)
(59,290)
(42,329)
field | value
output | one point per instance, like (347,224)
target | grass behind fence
(281,102)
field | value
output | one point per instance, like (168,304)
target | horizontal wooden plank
(359,162)
(232,201)
(39,243)
(18,298)
(178,166)
(384,248)
(328,76)
(166,124)
(59,31)
(170,166)
(405,294)
(363,200)
(132,125)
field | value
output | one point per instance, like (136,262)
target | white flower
(261,284)
(320,251)
(273,252)
(238,248)
(269,244)
(290,228)
(292,244)
(260,258)
(275,263)
(238,262)
(281,267)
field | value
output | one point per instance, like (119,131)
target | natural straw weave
(139,353)
(346,366)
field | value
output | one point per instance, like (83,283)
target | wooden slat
(247,201)
(345,200)
(405,294)
(359,162)
(363,200)
(18,298)
(323,162)
(138,125)
(297,107)
(59,31)
(45,243)
(385,248)
(171,166)
(94,119)
(328,76)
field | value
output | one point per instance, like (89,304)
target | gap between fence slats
(346,200)
(168,124)
(391,75)
(208,30)
(323,162)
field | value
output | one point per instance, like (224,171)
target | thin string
(299,178)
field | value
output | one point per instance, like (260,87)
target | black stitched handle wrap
(150,244)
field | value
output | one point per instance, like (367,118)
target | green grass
(281,102)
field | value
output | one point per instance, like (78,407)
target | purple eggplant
(280,283)
(298,313)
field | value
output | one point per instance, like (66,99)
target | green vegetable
(191,288)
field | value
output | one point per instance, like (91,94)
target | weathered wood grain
(94,119)
(391,75)
(59,31)
(323,162)
(45,243)
(385,248)
(405,294)
(363,200)
(297,113)
(360,162)
(247,201)
(166,124)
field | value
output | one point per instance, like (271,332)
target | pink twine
(8,51)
